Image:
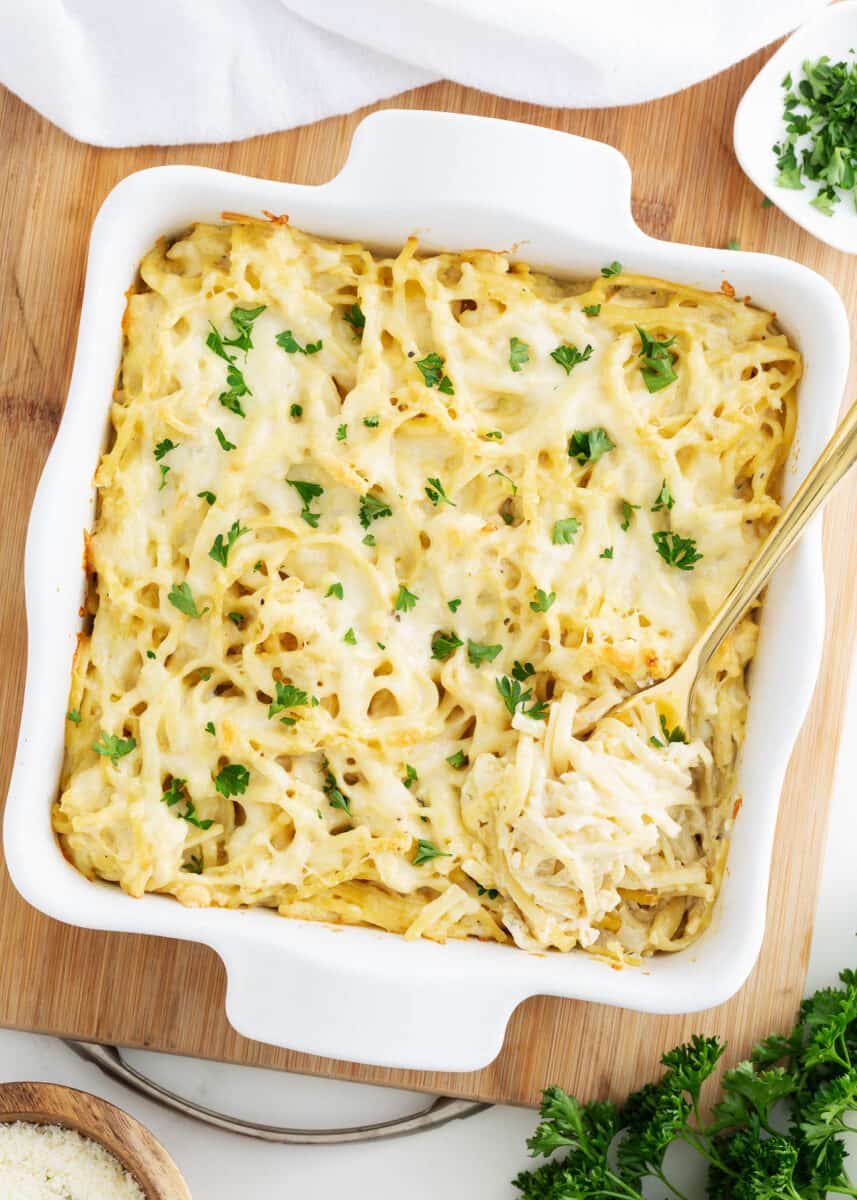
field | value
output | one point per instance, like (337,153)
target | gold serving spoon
(674,695)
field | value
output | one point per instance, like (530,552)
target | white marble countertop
(476,1157)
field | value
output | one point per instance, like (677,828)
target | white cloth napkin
(167,71)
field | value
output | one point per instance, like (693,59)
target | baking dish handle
(416,160)
(415,1012)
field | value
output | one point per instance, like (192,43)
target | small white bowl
(759,123)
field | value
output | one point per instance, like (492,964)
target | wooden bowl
(144,1158)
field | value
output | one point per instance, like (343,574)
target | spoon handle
(838,456)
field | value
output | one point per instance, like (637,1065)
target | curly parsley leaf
(435,492)
(288,696)
(665,498)
(405,600)
(220,548)
(426,851)
(589,445)
(676,551)
(354,317)
(565,531)
(478,652)
(181,597)
(677,734)
(307,492)
(110,745)
(615,268)
(519,353)
(568,357)
(335,797)
(543,600)
(431,369)
(515,697)
(225,443)
(373,508)
(657,369)
(232,780)
(444,644)
(74,716)
(286,341)
(627,512)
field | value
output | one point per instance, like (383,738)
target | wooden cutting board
(144,991)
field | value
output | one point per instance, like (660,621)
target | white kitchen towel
(118,73)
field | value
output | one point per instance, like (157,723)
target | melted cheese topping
(396,787)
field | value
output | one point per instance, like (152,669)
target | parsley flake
(607,552)
(431,369)
(515,697)
(110,745)
(589,445)
(444,644)
(341,433)
(657,369)
(458,760)
(181,597)
(665,498)
(615,268)
(543,601)
(372,508)
(225,443)
(478,652)
(220,549)
(627,513)
(350,637)
(288,696)
(208,497)
(291,345)
(568,357)
(335,589)
(676,551)
(426,851)
(434,491)
(592,310)
(519,353)
(405,600)
(565,531)
(354,317)
(74,716)
(453,605)
(232,780)
(670,735)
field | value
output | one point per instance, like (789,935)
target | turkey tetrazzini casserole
(373,538)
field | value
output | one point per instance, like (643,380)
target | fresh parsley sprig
(658,359)
(568,357)
(431,369)
(601,1150)
(588,445)
(220,548)
(676,551)
(515,697)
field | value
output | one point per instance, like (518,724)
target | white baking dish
(563,203)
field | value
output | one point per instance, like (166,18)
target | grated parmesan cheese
(48,1162)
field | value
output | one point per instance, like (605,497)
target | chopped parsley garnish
(478,652)
(411,776)
(151,654)
(592,310)
(236,618)
(435,493)
(110,745)
(354,317)
(350,637)
(174,793)
(288,696)
(427,851)
(307,492)
(458,760)
(543,601)
(209,728)
(670,735)
(733,244)
(491,893)
(372,422)
(444,644)
(287,342)
(431,369)
(495,434)
(372,508)
(665,498)
(193,864)
(204,675)
(369,540)
(208,497)
(237,388)
(519,353)
(568,357)
(657,369)
(615,268)
(74,716)
(508,479)
(232,780)
(627,513)
(165,447)
(821,107)
(522,671)
(405,600)
(565,531)
(587,445)
(220,549)
(676,551)
(514,696)
(335,589)
(341,433)
(225,443)
(181,597)
(165,470)
(258,564)
(453,605)
(767,202)
(335,797)
(607,552)
(243,320)
(296,411)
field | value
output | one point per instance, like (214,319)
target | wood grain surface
(145,991)
(143,1157)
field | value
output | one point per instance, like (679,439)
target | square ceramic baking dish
(564,204)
